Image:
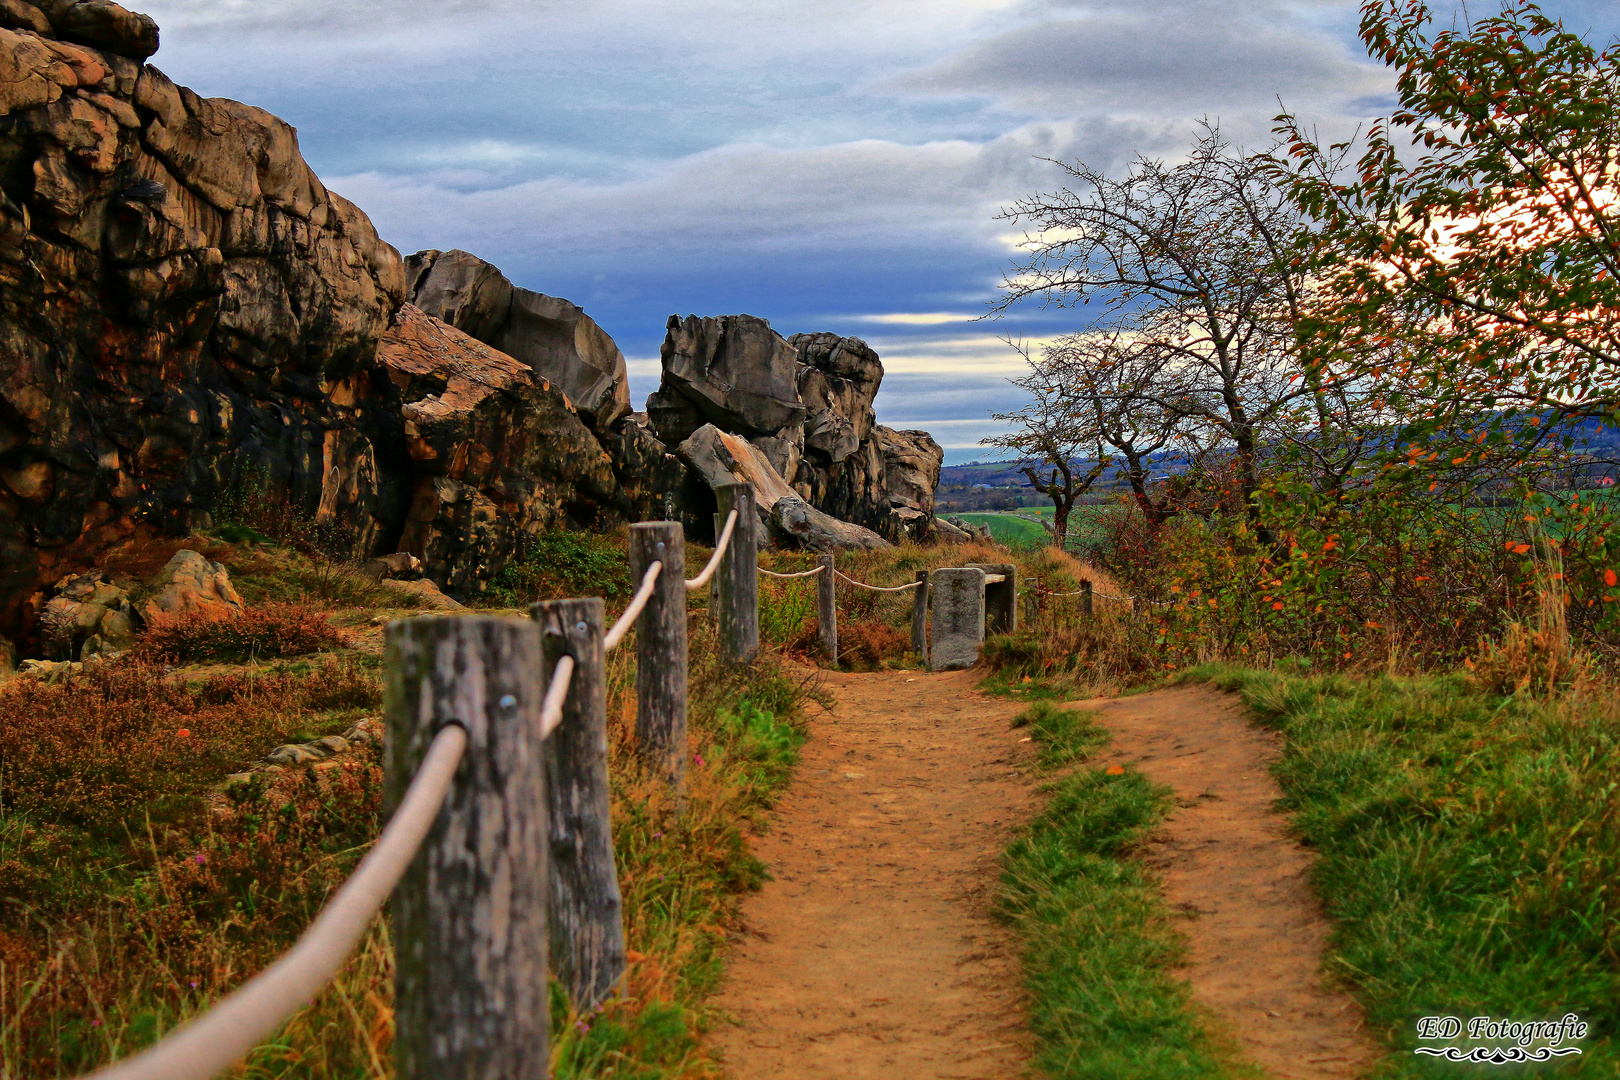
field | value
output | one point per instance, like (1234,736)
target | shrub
(560,564)
(869,645)
(274,630)
(123,735)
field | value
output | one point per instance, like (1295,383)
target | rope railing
(720,545)
(217,1039)
(649,581)
(551,709)
(875,588)
(806,573)
(458,686)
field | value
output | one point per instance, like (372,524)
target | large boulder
(553,336)
(720,458)
(183,305)
(733,371)
(816,427)
(911,465)
(191,585)
(498,451)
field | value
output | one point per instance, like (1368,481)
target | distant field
(1009,528)
(1016,528)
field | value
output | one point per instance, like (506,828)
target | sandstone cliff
(186,310)
(184,306)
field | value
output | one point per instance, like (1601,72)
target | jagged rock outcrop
(181,299)
(498,452)
(553,336)
(805,404)
(186,312)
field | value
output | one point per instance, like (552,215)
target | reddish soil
(873,954)
(1228,861)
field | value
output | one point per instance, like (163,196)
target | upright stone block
(958,618)
(1000,598)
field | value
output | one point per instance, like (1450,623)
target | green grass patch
(1469,850)
(1098,941)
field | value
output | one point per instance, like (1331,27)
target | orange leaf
(1116,770)
(1278,606)
(1610,579)
(184,733)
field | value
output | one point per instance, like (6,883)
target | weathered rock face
(87,617)
(497,450)
(182,302)
(186,312)
(553,336)
(805,404)
(733,371)
(720,459)
(191,585)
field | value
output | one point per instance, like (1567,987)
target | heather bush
(268,632)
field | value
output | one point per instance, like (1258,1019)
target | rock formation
(186,310)
(180,298)
(497,452)
(805,404)
(187,314)
(552,336)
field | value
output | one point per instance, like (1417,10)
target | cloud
(835,165)
(1150,58)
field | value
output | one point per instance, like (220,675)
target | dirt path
(1227,860)
(872,953)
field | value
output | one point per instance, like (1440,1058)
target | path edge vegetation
(1098,942)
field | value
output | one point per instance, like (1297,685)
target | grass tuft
(1099,944)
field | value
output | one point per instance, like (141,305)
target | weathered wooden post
(661,650)
(736,585)
(470,913)
(919,617)
(1000,597)
(827,608)
(1085,597)
(1032,606)
(958,618)
(587,913)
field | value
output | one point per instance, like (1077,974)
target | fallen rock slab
(721,459)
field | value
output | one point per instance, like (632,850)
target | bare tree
(1194,266)
(1052,431)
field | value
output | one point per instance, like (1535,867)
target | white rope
(556,694)
(875,588)
(773,573)
(219,1038)
(714,560)
(643,594)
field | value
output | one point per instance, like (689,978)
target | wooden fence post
(1085,598)
(469,915)
(1032,606)
(919,618)
(736,579)
(661,651)
(587,913)
(827,608)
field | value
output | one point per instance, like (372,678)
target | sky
(825,164)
